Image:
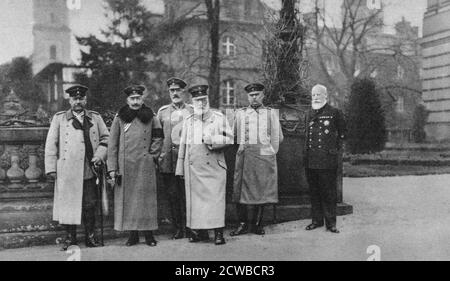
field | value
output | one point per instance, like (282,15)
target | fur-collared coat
(134,147)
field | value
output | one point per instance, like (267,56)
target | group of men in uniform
(185,144)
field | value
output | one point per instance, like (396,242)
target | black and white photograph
(246,131)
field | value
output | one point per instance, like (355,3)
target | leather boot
(89,226)
(199,236)
(176,219)
(150,239)
(258,218)
(133,239)
(240,230)
(243,218)
(71,237)
(219,240)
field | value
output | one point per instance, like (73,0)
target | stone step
(22,226)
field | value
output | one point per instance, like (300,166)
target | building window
(53,52)
(400,72)
(357,70)
(329,65)
(400,106)
(228,46)
(228,97)
(374,73)
(248,8)
(53,18)
(55,87)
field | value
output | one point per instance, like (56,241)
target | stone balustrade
(22,161)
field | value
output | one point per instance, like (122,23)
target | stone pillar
(33,173)
(15,174)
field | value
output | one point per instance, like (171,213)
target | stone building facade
(436,69)
(391,59)
(241,45)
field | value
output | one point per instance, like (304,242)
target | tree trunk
(213,12)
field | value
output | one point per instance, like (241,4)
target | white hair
(320,89)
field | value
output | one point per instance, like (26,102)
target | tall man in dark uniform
(259,135)
(171,118)
(76,141)
(325,133)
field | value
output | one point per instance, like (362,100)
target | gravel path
(405,217)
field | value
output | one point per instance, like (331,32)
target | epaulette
(218,113)
(94,112)
(164,107)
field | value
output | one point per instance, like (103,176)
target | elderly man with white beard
(325,134)
(201,161)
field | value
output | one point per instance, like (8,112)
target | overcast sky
(16,20)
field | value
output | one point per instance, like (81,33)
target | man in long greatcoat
(171,117)
(201,161)
(135,144)
(259,135)
(77,141)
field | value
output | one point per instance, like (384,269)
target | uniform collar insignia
(174,106)
(70,115)
(205,116)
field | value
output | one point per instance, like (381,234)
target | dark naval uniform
(325,133)
(171,118)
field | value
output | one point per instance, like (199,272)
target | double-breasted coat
(201,161)
(325,134)
(171,118)
(259,135)
(65,154)
(133,150)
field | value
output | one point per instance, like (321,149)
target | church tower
(51,33)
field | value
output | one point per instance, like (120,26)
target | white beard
(317,106)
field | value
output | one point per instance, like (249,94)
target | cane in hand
(99,173)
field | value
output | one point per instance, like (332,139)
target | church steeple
(51,33)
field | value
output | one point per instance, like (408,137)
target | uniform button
(207,163)
(191,163)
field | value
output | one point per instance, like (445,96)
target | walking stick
(99,171)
